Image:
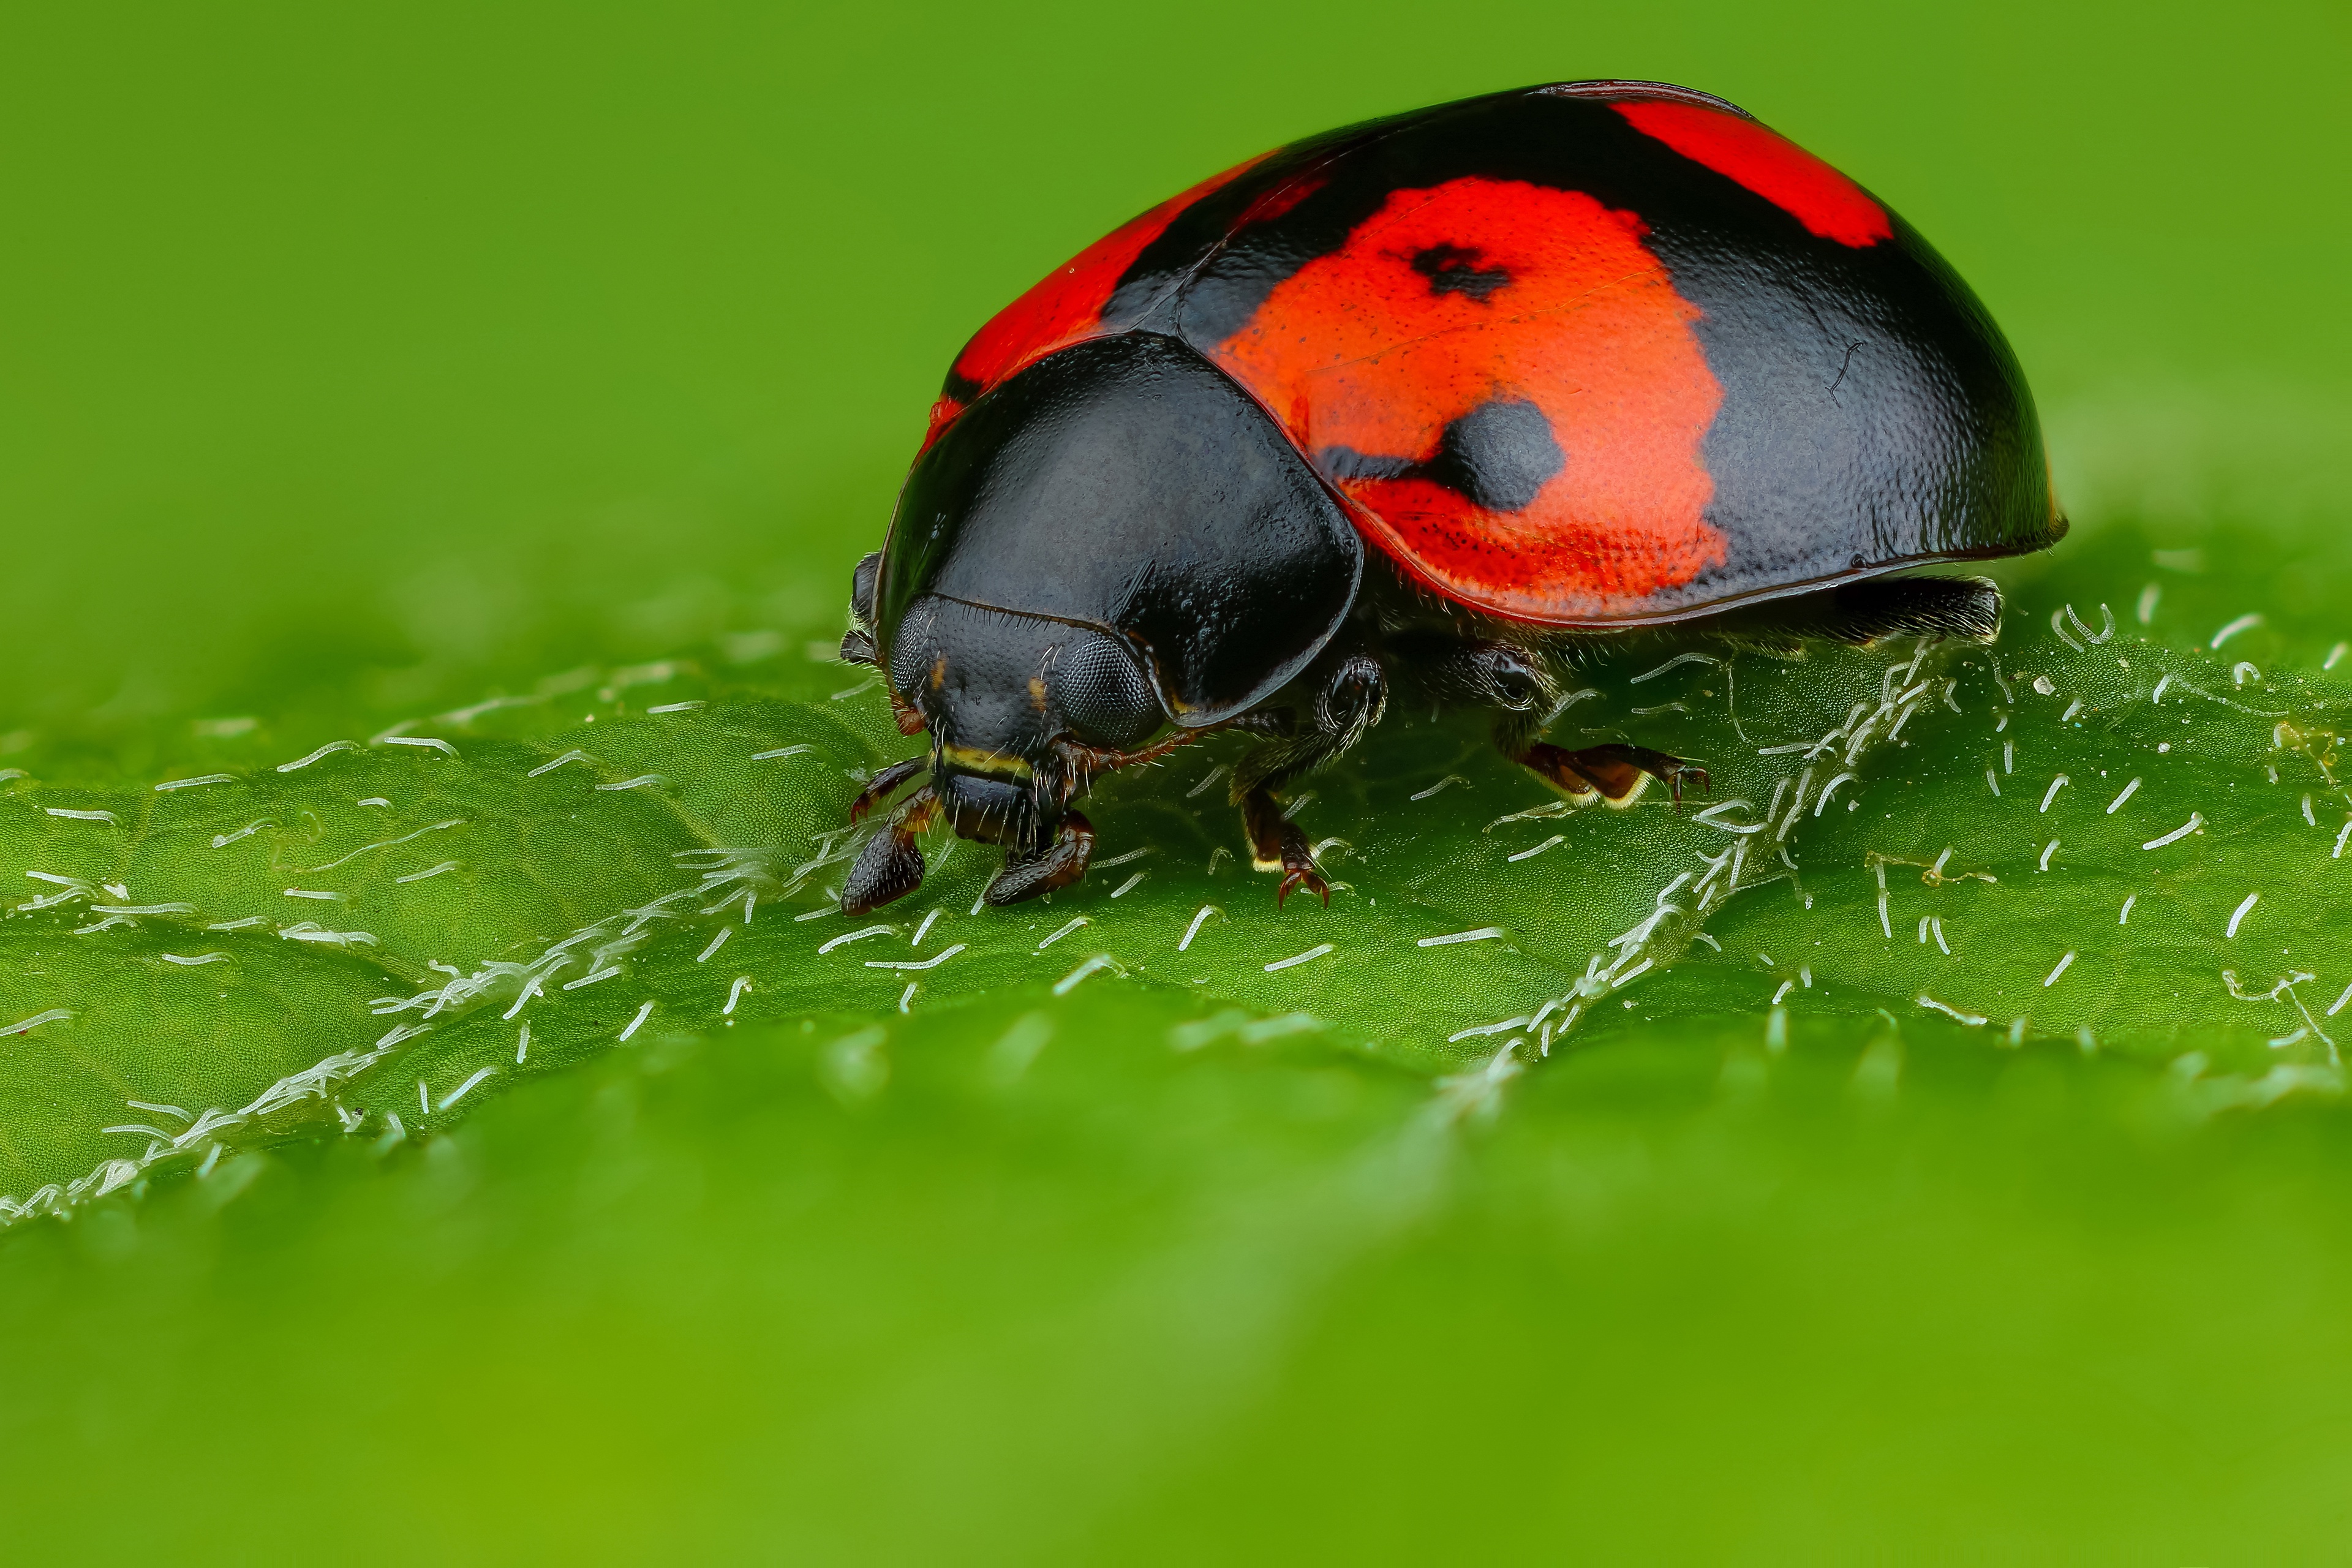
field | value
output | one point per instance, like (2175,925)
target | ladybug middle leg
(1515,682)
(1350,695)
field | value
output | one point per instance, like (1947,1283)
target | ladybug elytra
(1571,361)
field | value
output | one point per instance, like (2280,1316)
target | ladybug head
(1022,710)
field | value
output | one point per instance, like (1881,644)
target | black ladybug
(1573,361)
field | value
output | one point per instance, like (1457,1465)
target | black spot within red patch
(1673,287)
(1534,451)
(1500,456)
(1455,270)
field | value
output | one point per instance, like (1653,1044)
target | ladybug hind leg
(857,642)
(1351,693)
(1616,775)
(1859,614)
(1518,684)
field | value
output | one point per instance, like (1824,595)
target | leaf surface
(2077,833)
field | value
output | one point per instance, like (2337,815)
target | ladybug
(1441,399)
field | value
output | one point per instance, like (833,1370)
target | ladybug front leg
(891,864)
(885,784)
(1350,695)
(1061,863)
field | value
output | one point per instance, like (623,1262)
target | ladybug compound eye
(1100,686)
(913,651)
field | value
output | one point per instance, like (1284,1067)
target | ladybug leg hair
(1968,608)
(1516,682)
(1350,695)
(1058,864)
(1510,679)
(890,866)
(1079,764)
(884,785)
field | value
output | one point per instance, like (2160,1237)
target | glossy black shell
(1128,486)
(1117,451)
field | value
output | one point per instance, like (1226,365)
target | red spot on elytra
(1824,201)
(1368,360)
(1067,306)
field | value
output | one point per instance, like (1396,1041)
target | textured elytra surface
(1657,278)
(2079,836)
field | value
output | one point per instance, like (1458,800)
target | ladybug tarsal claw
(1671,771)
(1277,845)
(1309,878)
(884,785)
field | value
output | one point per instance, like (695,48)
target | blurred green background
(358,361)
(419,345)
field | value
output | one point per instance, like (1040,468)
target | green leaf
(2079,835)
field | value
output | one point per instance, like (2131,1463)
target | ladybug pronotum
(1430,400)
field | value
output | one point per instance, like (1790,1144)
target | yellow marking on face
(938,672)
(974,760)
(1037,693)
